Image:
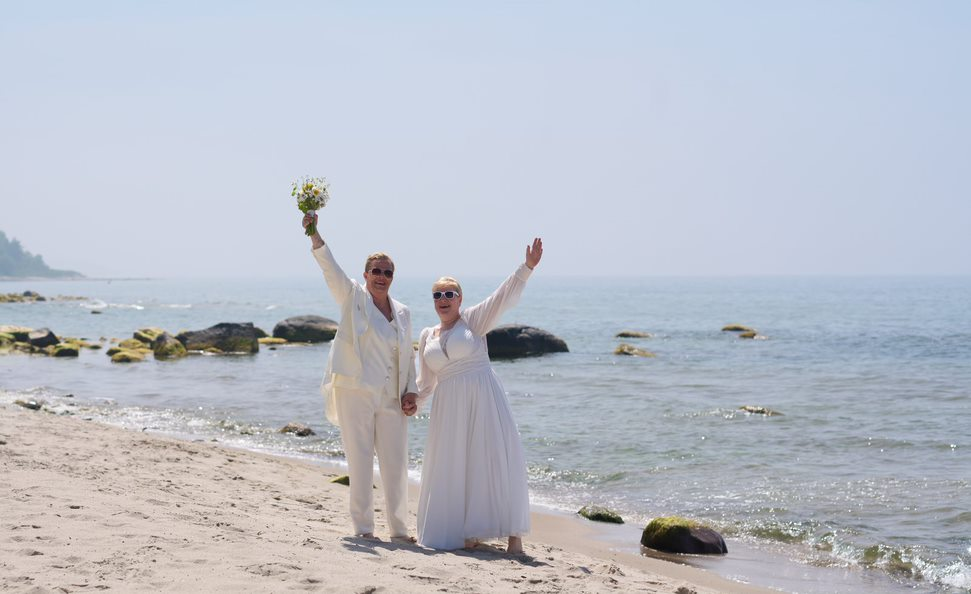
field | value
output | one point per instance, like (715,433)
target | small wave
(134,306)
(178,305)
(93,304)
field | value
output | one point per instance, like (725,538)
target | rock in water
(66,350)
(42,337)
(631,350)
(297,429)
(515,340)
(674,534)
(225,338)
(167,346)
(306,329)
(633,334)
(597,513)
(124,356)
(147,335)
(737,328)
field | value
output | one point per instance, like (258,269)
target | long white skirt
(473,479)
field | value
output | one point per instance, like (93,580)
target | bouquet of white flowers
(311,194)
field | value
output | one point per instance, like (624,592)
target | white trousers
(373,423)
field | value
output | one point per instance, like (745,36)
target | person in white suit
(369,385)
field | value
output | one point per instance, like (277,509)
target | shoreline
(92,504)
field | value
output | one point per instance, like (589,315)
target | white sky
(674,138)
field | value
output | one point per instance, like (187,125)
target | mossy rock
(633,334)
(168,347)
(23,347)
(737,328)
(214,351)
(674,534)
(147,335)
(7,338)
(597,513)
(126,356)
(760,410)
(133,344)
(111,352)
(65,350)
(342,480)
(19,333)
(633,351)
(271,340)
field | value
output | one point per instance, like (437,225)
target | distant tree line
(15,261)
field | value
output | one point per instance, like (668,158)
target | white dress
(473,479)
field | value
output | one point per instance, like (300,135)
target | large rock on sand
(674,534)
(515,340)
(225,337)
(306,329)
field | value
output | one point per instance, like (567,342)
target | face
(378,283)
(447,309)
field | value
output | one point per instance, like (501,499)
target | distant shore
(90,505)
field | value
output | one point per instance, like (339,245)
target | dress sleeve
(337,281)
(427,379)
(484,316)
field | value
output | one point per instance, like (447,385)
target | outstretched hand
(534,253)
(409,404)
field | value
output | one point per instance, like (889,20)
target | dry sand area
(87,507)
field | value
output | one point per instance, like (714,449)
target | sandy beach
(90,507)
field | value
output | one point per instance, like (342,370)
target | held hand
(409,404)
(534,253)
(309,219)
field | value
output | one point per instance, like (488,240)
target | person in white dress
(473,479)
(369,385)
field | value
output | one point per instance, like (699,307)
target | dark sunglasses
(386,273)
(436,295)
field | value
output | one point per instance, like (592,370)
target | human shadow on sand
(482,552)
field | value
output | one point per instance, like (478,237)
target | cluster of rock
(32,297)
(505,342)
(744,331)
(41,342)
(671,534)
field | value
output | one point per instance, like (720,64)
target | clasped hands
(409,404)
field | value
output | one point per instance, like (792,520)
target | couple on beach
(473,483)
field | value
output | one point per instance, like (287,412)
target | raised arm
(484,316)
(337,281)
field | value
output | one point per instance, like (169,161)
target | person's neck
(448,325)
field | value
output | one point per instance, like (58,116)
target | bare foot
(515,545)
(471,543)
(404,539)
(367,536)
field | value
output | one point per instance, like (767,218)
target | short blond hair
(447,281)
(377,256)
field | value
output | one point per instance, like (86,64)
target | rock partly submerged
(632,351)
(166,347)
(674,534)
(307,328)
(297,429)
(222,338)
(760,410)
(597,513)
(633,334)
(512,341)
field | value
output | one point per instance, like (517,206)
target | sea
(861,483)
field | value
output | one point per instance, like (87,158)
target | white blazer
(344,366)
